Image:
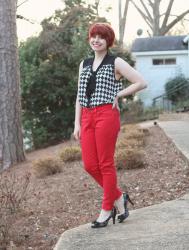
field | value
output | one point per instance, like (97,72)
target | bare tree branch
(150,3)
(185,19)
(176,20)
(119,10)
(149,33)
(122,20)
(167,13)
(125,11)
(22,3)
(163,14)
(97,2)
(147,11)
(23,18)
(146,18)
(152,17)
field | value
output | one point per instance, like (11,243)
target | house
(158,59)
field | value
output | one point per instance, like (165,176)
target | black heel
(122,217)
(114,212)
(129,199)
(96,224)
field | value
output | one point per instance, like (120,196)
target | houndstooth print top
(107,86)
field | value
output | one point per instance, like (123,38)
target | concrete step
(163,226)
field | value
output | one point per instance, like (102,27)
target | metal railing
(164,103)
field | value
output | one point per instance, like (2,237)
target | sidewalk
(178,132)
(163,226)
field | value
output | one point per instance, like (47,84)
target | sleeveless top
(100,86)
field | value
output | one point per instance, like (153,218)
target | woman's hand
(116,103)
(77,132)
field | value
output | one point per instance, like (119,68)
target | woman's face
(98,43)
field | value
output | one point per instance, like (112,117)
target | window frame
(164,61)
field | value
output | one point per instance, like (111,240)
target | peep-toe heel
(96,224)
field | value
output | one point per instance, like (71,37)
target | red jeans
(99,130)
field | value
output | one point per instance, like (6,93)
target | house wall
(157,75)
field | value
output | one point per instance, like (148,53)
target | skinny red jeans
(99,130)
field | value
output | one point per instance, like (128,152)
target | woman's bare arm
(125,70)
(77,127)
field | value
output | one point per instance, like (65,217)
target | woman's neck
(100,54)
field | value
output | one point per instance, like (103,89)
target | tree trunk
(11,140)
(156,20)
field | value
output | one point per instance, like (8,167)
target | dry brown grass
(47,166)
(132,131)
(129,153)
(129,159)
(72,153)
(129,143)
(128,127)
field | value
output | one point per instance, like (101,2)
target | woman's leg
(90,157)
(106,132)
(88,146)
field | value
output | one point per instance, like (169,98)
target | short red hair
(104,30)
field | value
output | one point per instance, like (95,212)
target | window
(157,61)
(165,61)
(170,61)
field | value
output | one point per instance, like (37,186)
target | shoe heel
(130,200)
(114,212)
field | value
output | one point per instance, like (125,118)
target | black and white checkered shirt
(107,86)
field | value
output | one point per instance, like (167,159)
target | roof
(159,43)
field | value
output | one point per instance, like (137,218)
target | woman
(97,118)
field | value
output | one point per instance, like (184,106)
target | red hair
(104,30)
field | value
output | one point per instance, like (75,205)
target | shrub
(181,105)
(132,132)
(177,89)
(129,154)
(72,153)
(6,220)
(131,143)
(13,193)
(151,113)
(129,158)
(129,127)
(134,111)
(45,167)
